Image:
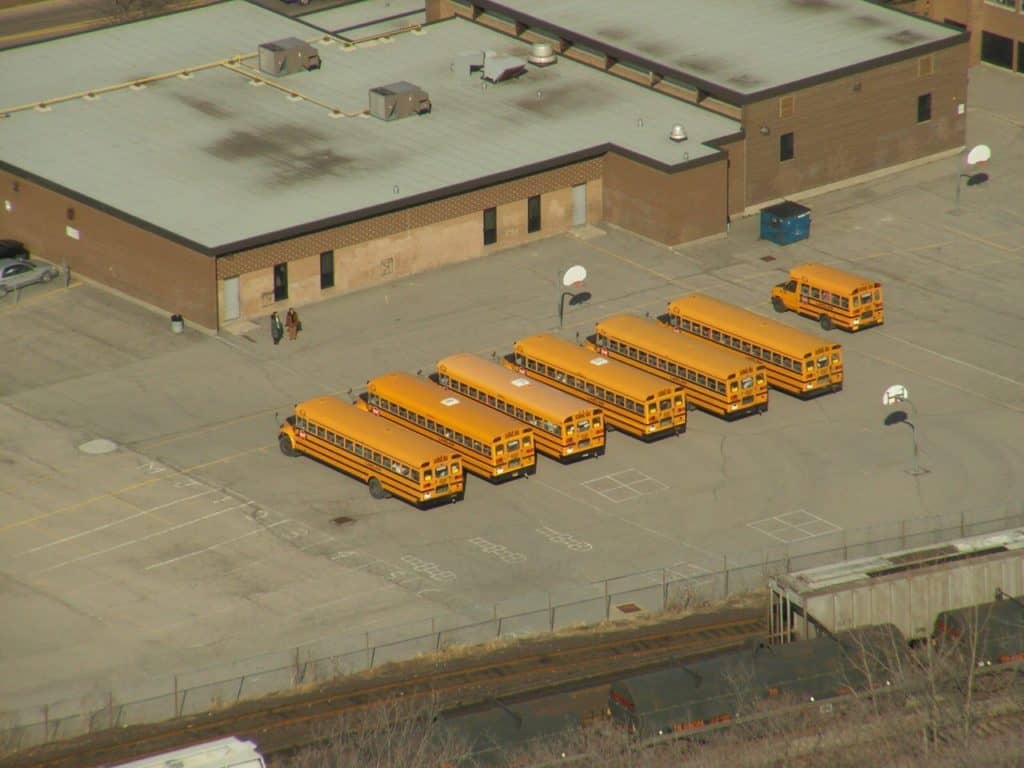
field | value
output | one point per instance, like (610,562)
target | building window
(1020,54)
(280,282)
(327,269)
(533,214)
(785,147)
(996,49)
(490,226)
(1011,4)
(787,106)
(924,108)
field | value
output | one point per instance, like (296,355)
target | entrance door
(231,309)
(579,205)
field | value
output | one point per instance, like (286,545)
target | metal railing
(675,588)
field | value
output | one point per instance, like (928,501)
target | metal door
(579,205)
(231,306)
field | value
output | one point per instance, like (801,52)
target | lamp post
(897,393)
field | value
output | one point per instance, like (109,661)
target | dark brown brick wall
(670,208)
(110,251)
(855,125)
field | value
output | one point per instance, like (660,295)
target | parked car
(17,273)
(13,249)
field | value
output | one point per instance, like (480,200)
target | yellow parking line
(12,306)
(131,487)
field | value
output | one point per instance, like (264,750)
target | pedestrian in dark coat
(276,327)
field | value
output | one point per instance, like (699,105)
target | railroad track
(542,666)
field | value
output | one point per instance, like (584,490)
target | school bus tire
(286,446)
(377,490)
(826,323)
(778,304)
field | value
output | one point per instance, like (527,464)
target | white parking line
(964,363)
(91,555)
(212,547)
(111,524)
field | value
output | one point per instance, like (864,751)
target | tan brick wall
(408,252)
(415,217)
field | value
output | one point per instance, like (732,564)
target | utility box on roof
(398,100)
(287,56)
(785,222)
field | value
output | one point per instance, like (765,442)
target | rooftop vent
(541,55)
(287,56)
(398,100)
(678,133)
(500,68)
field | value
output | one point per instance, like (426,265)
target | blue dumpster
(785,222)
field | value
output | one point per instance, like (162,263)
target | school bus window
(691,376)
(822,362)
(756,350)
(721,388)
(583,425)
(513,445)
(442,471)
(665,404)
(815,293)
(746,347)
(878,295)
(856,302)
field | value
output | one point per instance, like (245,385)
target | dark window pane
(327,269)
(924,107)
(533,214)
(785,147)
(490,226)
(280,282)
(996,49)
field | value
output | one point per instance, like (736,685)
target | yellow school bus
(391,460)
(565,427)
(831,296)
(797,362)
(724,383)
(492,445)
(633,401)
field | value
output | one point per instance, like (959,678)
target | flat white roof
(736,48)
(220,164)
(368,17)
(850,571)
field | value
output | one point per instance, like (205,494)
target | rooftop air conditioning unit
(499,68)
(398,100)
(287,56)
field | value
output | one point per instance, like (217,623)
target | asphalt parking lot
(195,544)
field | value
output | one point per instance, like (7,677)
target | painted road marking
(794,526)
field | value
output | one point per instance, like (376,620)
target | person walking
(276,328)
(292,323)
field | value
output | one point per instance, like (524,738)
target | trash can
(785,222)
(177,324)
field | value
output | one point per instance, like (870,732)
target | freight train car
(908,588)
(543,728)
(722,687)
(991,633)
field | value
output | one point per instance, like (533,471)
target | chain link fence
(679,587)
